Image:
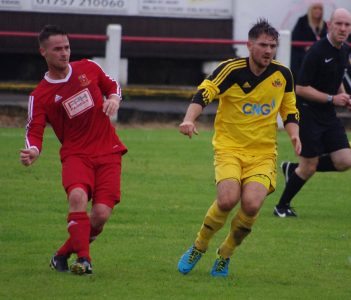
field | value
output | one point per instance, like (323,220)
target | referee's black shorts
(320,134)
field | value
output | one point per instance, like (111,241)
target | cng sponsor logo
(258,109)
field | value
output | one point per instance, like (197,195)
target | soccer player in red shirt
(71,99)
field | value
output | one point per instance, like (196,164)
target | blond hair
(310,21)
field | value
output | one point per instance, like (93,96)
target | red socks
(79,230)
(66,249)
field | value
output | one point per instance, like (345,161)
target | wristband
(330,99)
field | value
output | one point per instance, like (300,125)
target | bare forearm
(187,127)
(193,112)
(310,93)
(293,131)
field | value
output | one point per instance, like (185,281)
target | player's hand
(111,106)
(28,156)
(295,140)
(341,99)
(188,128)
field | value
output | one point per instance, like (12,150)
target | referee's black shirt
(323,69)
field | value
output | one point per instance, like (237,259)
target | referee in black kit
(325,146)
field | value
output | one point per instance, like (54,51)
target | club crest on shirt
(78,103)
(277,83)
(83,79)
(246,85)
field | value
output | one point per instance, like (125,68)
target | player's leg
(79,229)
(99,215)
(228,194)
(259,178)
(228,170)
(77,176)
(106,193)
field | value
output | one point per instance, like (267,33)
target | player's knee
(251,208)
(99,216)
(99,219)
(77,199)
(226,202)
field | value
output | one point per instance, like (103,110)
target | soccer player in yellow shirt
(251,91)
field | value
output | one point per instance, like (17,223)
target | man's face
(56,51)
(262,50)
(339,27)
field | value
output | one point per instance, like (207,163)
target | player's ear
(249,44)
(42,51)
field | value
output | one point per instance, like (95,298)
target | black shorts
(320,135)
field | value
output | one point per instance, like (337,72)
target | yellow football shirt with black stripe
(246,119)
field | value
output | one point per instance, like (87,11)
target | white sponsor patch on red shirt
(78,103)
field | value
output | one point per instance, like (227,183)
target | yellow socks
(214,220)
(240,228)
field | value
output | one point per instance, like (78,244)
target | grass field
(167,188)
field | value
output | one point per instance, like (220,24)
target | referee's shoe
(283,212)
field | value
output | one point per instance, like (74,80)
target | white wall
(281,14)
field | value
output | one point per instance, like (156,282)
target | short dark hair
(49,30)
(263,27)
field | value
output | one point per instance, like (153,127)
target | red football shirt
(73,107)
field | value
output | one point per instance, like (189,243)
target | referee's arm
(312,94)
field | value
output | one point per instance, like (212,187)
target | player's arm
(34,133)
(187,127)
(290,116)
(199,102)
(289,113)
(312,94)
(110,88)
(292,129)
(207,91)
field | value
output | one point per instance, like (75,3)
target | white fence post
(283,56)
(284,49)
(113,50)
(113,54)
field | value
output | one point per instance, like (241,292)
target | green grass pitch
(167,187)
